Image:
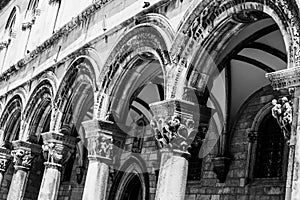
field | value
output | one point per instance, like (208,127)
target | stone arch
(37,109)
(203,19)
(79,77)
(152,35)
(10,120)
(134,166)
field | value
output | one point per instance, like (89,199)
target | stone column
(57,149)
(99,137)
(175,126)
(23,154)
(290,79)
(5,159)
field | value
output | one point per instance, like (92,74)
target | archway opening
(133,189)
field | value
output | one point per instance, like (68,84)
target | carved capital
(23,154)
(99,135)
(5,159)
(175,123)
(286,78)
(57,148)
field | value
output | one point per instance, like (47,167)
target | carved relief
(22,158)
(56,153)
(4,163)
(5,159)
(174,133)
(282,111)
(100,147)
(58,148)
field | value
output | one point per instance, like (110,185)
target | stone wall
(236,186)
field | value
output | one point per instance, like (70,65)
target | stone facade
(148,100)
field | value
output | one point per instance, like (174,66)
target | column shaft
(57,150)
(23,154)
(18,185)
(50,184)
(96,181)
(175,125)
(172,178)
(99,137)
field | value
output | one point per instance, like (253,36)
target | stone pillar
(175,126)
(23,154)
(57,149)
(99,137)
(5,159)
(290,79)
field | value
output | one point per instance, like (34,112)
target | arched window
(269,149)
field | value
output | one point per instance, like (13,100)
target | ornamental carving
(174,132)
(282,111)
(58,148)
(100,147)
(4,163)
(56,153)
(22,158)
(5,159)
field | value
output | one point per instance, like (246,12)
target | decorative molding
(282,111)
(286,78)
